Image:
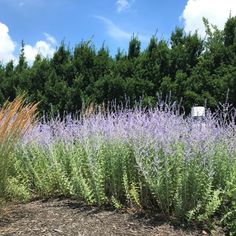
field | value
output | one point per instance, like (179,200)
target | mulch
(58,217)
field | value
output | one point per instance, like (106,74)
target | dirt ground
(66,217)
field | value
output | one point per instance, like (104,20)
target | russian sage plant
(154,158)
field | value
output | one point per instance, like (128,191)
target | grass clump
(16,118)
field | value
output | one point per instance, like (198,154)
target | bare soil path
(66,217)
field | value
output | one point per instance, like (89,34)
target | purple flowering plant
(146,158)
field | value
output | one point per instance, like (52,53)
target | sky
(44,24)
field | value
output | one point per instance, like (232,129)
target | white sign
(197,111)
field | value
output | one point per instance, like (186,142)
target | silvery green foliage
(144,158)
(141,128)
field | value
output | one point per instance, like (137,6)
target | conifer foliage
(195,70)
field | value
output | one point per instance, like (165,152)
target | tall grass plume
(16,118)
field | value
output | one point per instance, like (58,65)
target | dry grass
(92,109)
(16,118)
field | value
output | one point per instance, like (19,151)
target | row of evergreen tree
(193,69)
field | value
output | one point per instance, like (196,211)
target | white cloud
(50,38)
(113,30)
(117,33)
(7,45)
(123,5)
(216,11)
(44,48)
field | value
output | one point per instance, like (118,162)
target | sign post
(198,113)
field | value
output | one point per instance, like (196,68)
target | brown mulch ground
(66,217)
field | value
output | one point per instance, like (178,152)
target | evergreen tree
(189,67)
(134,48)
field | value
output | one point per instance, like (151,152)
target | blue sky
(43,24)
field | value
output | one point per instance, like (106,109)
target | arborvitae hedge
(192,69)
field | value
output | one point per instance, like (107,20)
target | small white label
(197,111)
